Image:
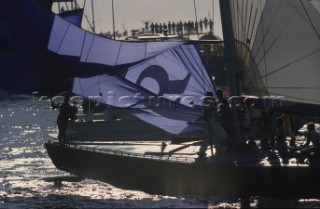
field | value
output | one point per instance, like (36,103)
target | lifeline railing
(164,157)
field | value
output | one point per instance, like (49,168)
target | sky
(130,14)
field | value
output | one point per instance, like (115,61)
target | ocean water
(27,174)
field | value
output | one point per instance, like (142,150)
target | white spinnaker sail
(278,43)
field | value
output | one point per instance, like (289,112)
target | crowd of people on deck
(180,28)
(237,115)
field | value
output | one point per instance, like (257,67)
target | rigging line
(266,33)
(293,62)
(256,78)
(243,15)
(238,34)
(91,44)
(195,12)
(85,15)
(253,25)
(236,17)
(310,20)
(234,25)
(262,44)
(118,53)
(88,21)
(249,24)
(84,3)
(277,37)
(83,42)
(264,47)
(240,18)
(295,98)
(99,85)
(245,22)
(295,87)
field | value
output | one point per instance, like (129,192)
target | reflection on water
(28,179)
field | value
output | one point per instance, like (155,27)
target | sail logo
(156,79)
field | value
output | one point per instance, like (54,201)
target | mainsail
(278,46)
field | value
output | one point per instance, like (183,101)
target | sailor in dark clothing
(209,109)
(211,25)
(312,136)
(169,27)
(225,116)
(205,23)
(279,143)
(152,27)
(310,152)
(63,118)
(73,111)
(201,26)
(173,28)
(266,125)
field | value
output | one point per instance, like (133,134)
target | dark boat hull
(184,178)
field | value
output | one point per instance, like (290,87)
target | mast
(232,64)
(59,7)
(93,21)
(114,32)
(229,46)
(213,16)
(195,12)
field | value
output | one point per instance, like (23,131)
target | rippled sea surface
(27,174)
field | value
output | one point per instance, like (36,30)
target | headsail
(278,44)
(160,90)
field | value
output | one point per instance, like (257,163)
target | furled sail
(161,91)
(278,45)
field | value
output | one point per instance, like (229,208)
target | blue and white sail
(70,40)
(161,91)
